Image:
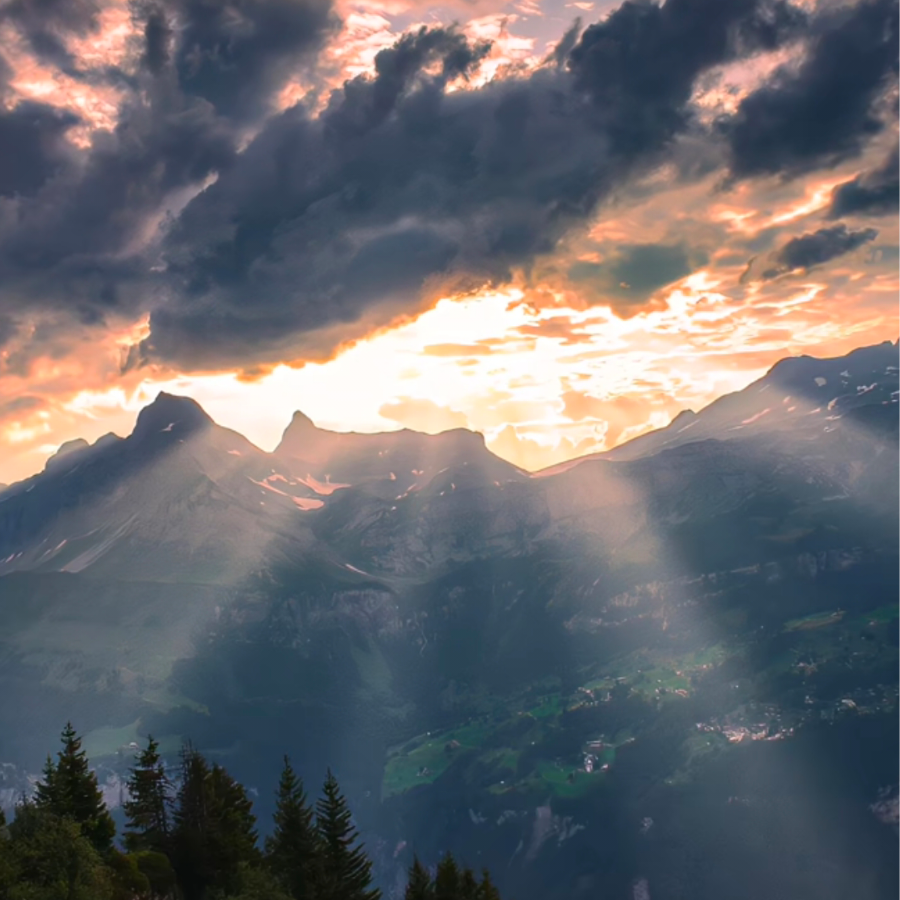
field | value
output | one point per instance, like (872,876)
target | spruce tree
(347,870)
(468,886)
(69,790)
(486,890)
(447,879)
(214,833)
(418,886)
(190,820)
(147,808)
(292,848)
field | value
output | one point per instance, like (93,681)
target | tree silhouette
(292,850)
(347,871)
(69,790)
(148,807)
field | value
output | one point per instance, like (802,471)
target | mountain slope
(180,499)
(799,399)
(610,676)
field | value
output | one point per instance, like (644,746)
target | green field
(430,759)
(816,620)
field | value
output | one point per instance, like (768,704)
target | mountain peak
(301,422)
(65,449)
(171,413)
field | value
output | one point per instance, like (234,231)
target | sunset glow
(678,286)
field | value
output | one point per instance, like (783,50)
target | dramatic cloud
(403,189)
(236,53)
(198,186)
(33,137)
(876,193)
(810,250)
(47,26)
(821,112)
(77,237)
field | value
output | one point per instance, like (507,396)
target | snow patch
(820,381)
(322,487)
(756,418)
(168,427)
(308,503)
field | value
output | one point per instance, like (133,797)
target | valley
(641,669)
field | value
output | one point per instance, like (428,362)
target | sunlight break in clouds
(589,293)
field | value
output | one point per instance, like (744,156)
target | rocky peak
(170,414)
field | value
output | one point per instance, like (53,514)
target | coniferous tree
(468,886)
(347,871)
(418,886)
(46,793)
(234,825)
(214,833)
(292,848)
(447,879)
(148,806)
(486,889)
(69,790)
(49,852)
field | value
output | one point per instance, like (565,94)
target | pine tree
(347,870)
(190,819)
(418,886)
(149,800)
(292,848)
(468,886)
(447,879)
(46,792)
(214,833)
(69,790)
(233,824)
(486,890)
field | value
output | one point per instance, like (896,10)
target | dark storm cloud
(401,187)
(810,250)
(875,193)
(822,112)
(47,24)
(634,273)
(158,36)
(236,53)
(326,224)
(75,241)
(33,146)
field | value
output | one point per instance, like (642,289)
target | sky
(557,223)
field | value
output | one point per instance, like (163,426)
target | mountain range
(665,670)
